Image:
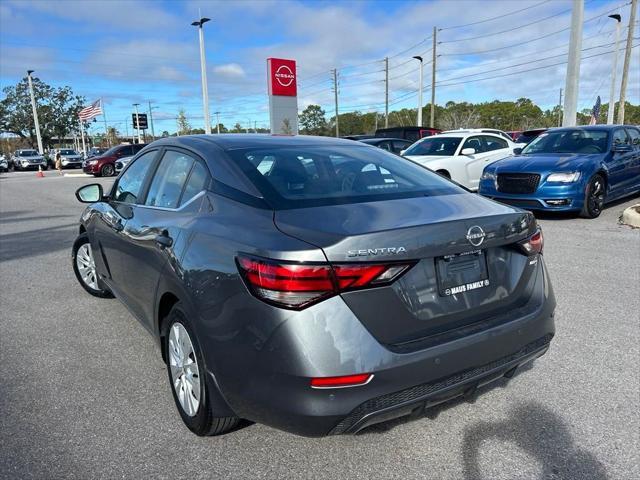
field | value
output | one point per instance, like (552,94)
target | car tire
(46,167)
(107,170)
(594,197)
(84,268)
(190,384)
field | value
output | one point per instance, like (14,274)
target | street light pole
(203,70)
(419,58)
(137,122)
(573,65)
(153,133)
(35,112)
(614,68)
(218,122)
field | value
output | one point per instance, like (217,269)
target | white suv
(461,154)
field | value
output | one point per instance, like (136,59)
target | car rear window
(295,177)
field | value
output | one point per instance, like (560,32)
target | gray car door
(155,233)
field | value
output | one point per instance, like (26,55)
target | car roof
(232,141)
(589,127)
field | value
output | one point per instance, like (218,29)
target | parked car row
(104,165)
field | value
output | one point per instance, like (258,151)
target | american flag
(595,112)
(91,111)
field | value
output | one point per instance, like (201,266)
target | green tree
(313,121)
(184,127)
(57,111)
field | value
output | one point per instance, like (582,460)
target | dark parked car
(316,285)
(394,145)
(568,169)
(408,133)
(105,165)
(528,135)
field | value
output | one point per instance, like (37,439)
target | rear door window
(198,181)
(474,142)
(634,135)
(169,179)
(494,143)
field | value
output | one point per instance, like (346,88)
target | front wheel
(594,197)
(189,382)
(107,170)
(85,268)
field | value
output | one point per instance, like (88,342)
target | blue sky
(139,51)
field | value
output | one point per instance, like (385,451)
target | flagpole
(84,148)
(106,129)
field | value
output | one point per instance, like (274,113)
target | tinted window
(169,179)
(569,141)
(385,146)
(342,175)
(526,137)
(136,148)
(27,153)
(399,145)
(198,181)
(494,143)
(130,183)
(67,152)
(436,145)
(634,135)
(474,142)
(620,136)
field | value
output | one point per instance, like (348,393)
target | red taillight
(298,285)
(343,381)
(533,244)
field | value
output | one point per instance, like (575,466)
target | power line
(495,18)
(508,30)
(479,52)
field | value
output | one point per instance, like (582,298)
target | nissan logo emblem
(284,75)
(476,235)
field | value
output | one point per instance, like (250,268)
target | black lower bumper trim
(421,393)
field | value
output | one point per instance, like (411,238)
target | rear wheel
(85,268)
(107,170)
(594,197)
(189,382)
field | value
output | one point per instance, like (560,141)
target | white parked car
(122,162)
(461,154)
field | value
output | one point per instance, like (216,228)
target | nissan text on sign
(283,96)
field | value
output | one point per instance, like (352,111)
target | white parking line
(82,175)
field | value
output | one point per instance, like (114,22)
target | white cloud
(229,70)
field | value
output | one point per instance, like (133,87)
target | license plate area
(462,272)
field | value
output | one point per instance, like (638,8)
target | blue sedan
(568,169)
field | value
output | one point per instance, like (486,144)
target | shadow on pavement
(37,242)
(538,431)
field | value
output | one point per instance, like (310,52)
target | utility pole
(386,92)
(573,66)
(627,60)
(203,71)
(106,128)
(417,57)
(433,80)
(35,112)
(153,132)
(218,122)
(137,122)
(335,93)
(614,68)
(560,109)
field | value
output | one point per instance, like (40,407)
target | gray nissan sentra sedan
(312,284)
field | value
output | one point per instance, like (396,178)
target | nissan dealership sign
(283,96)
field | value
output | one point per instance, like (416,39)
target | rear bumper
(272,385)
(551,197)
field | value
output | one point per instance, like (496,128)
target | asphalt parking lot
(84,392)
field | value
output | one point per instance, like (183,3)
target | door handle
(114,222)
(164,240)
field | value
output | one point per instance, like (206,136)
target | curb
(631,216)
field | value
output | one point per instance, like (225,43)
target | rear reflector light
(343,381)
(533,244)
(298,285)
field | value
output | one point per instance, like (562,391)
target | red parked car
(105,165)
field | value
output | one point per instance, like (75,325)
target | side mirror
(468,151)
(90,193)
(517,151)
(402,152)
